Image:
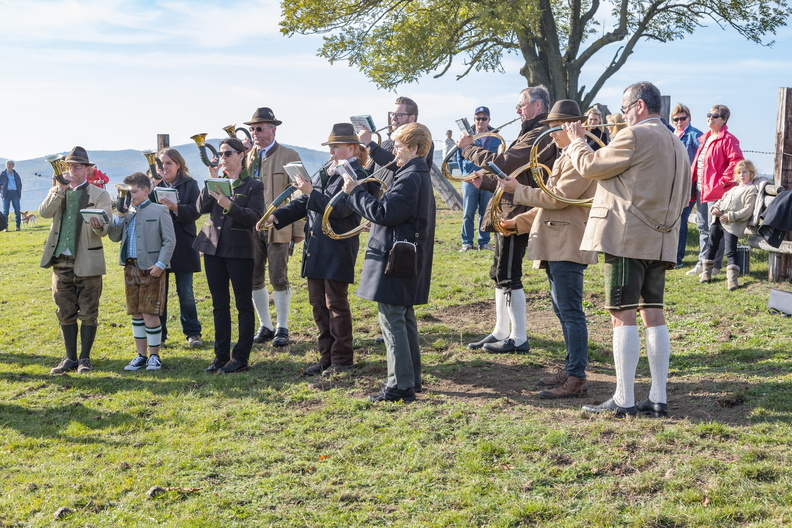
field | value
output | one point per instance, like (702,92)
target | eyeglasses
(258,129)
(624,109)
(677,119)
(482,119)
(227,153)
(399,115)
(713,116)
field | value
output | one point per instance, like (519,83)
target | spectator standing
(11,191)
(475,200)
(689,135)
(97,177)
(449,143)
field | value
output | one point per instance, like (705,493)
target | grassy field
(270,447)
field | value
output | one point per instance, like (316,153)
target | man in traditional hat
(11,191)
(556,229)
(644,183)
(509,334)
(75,253)
(265,163)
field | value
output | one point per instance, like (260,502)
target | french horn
(59,169)
(282,198)
(124,198)
(200,140)
(232,132)
(154,163)
(446,171)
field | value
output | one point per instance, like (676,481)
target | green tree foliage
(397,41)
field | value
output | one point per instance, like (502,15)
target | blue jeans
(683,232)
(12,197)
(566,292)
(474,200)
(188,314)
(703,220)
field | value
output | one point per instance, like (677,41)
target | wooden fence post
(779,265)
(163,141)
(665,108)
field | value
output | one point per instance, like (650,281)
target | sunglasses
(257,129)
(227,153)
(482,119)
(677,119)
(713,116)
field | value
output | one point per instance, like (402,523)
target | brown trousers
(75,297)
(333,319)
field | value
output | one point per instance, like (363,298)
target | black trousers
(716,233)
(506,268)
(239,272)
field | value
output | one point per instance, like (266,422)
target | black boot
(87,336)
(69,333)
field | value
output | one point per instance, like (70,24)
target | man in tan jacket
(644,183)
(265,163)
(554,245)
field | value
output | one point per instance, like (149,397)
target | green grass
(272,448)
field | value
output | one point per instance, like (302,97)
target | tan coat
(644,183)
(557,230)
(738,205)
(275,181)
(89,259)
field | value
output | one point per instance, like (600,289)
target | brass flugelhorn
(284,197)
(232,132)
(154,163)
(327,229)
(124,198)
(59,169)
(200,140)
(446,171)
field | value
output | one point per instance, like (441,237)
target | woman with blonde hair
(616,123)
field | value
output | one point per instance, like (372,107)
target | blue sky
(111,74)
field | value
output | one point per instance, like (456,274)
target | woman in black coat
(186,261)
(406,212)
(329,264)
(226,241)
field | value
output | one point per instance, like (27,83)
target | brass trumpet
(124,198)
(154,163)
(492,133)
(232,131)
(59,168)
(200,140)
(327,229)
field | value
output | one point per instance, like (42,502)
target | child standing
(730,217)
(147,242)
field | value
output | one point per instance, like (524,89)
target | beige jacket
(89,259)
(557,230)
(275,181)
(644,183)
(738,205)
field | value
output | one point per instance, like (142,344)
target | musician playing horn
(509,334)
(75,253)
(554,245)
(265,163)
(644,183)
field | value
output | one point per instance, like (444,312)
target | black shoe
(315,370)
(216,365)
(478,344)
(650,408)
(281,337)
(233,366)
(263,335)
(610,406)
(393,394)
(506,346)
(418,387)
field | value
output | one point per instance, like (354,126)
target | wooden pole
(665,108)
(163,141)
(779,265)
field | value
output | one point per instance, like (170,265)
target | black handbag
(402,259)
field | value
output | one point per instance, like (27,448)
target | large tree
(397,41)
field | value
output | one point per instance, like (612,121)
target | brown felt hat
(564,110)
(342,134)
(78,155)
(263,115)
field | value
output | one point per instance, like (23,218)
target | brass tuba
(124,198)
(59,169)
(232,132)
(200,140)
(154,163)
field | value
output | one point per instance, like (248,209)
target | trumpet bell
(200,139)
(232,132)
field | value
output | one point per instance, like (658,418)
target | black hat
(342,133)
(263,115)
(564,110)
(78,155)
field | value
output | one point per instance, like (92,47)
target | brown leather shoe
(556,379)
(571,388)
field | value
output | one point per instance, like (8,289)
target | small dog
(28,218)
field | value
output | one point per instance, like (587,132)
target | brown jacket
(89,259)
(517,155)
(644,183)
(275,181)
(558,228)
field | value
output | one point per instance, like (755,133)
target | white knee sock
(501,330)
(138,328)
(282,299)
(517,316)
(261,303)
(626,352)
(658,349)
(154,336)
